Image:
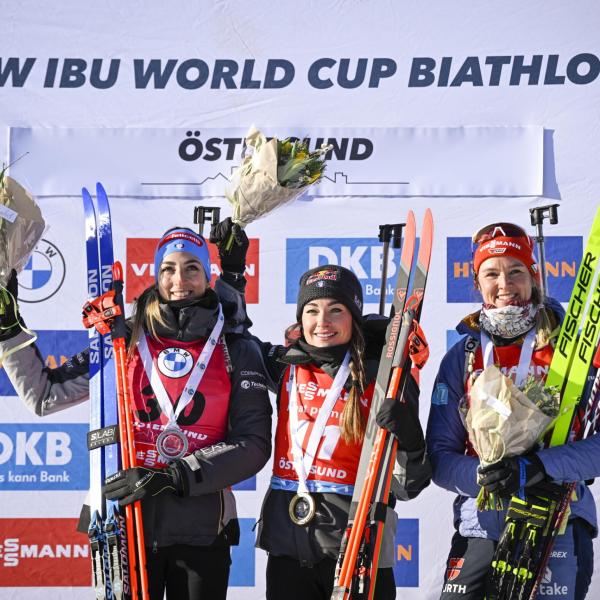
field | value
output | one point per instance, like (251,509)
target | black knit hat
(331,281)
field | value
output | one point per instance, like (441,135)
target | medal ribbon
(194,379)
(524,357)
(303,462)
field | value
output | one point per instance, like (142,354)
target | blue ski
(107,525)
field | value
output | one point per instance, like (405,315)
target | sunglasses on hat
(494,230)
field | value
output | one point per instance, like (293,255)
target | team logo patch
(43,274)
(175,362)
(454,567)
(324,274)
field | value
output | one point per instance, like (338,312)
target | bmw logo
(175,362)
(43,274)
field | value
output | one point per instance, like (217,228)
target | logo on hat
(327,274)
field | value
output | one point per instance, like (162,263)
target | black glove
(509,475)
(137,483)
(234,259)
(374,327)
(402,418)
(9,309)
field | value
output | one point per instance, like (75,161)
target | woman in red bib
(325,383)
(200,426)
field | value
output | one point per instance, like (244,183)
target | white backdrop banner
(409,161)
(479,111)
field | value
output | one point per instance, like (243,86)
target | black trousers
(288,580)
(188,572)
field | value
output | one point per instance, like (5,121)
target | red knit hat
(504,239)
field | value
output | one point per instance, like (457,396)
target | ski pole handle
(537,215)
(387,233)
(206,214)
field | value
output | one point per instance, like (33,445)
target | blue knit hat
(182,239)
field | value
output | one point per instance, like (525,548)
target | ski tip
(100,188)
(117,271)
(410,221)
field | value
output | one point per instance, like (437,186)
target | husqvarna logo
(563,255)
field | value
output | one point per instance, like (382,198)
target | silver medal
(172,444)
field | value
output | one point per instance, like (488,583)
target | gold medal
(302,508)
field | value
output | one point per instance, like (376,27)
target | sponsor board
(43,553)
(243,557)
(246,485)
(363,256)
(140,267)
(56,347)
(452,336)
(563,255)
(43,456)
(406,569)
(43,275)
(198,162)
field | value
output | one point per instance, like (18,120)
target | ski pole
(387,233)
(206,214)
(538,215)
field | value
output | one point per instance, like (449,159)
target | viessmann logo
(563,255)
(43,553)
(140,267)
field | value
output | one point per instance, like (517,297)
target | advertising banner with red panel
(140,267)
(43,552)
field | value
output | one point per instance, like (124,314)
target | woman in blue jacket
(514,331)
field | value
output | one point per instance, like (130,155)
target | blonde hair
(352,421)
(147,316)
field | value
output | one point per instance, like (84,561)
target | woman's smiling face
(326,322)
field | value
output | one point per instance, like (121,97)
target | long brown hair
(352,421)
(146,315)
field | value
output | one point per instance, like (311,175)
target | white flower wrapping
(501,420)
(21,227)
(255,189)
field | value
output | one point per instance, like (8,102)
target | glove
(511,474)
(10,318)
(134,484)
(234,259)
(401,419)
(374,327)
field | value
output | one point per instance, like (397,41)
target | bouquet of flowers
(21,227)
(273,172)
(505,420)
